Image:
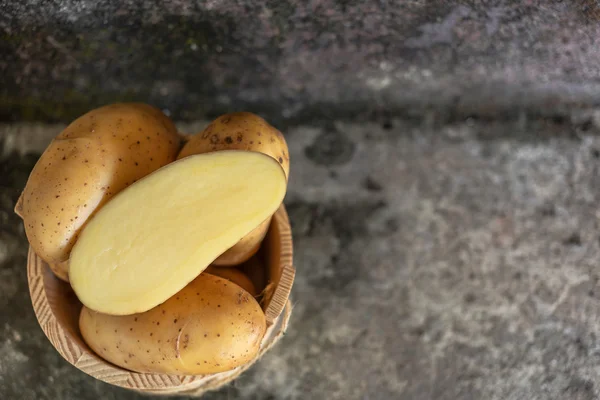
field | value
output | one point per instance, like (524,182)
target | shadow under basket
(57,310)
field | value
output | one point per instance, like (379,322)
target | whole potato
(61,270)
(95,157)
(233,275)
(212,325)
(256,271)
(241,131)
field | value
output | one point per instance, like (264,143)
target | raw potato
(160,233)
(245,248)
(241,131)
(233,275)
(95,157)
(210,326)
(61,270)
(256,271)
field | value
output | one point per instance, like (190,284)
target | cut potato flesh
(159,234)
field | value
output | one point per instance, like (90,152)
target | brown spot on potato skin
(228,140)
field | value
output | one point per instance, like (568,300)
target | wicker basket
(57,310)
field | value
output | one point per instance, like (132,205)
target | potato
(233,275)
(61,270)
(95,157)
(241,131)
(160,233)
(256,271)
(245,248)
(210,326)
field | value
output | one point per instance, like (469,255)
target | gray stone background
(295,60)
(444,181)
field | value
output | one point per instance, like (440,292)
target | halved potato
(156,236)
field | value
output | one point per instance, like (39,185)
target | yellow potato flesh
(212,325)
(156,236)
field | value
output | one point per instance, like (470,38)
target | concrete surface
(435,262)
(296,59)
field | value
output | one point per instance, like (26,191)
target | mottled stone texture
(299,60)
(435,262)
(438,257)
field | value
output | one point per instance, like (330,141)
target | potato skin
(61,270)
(95,157)
(241,131)
(233,275)
(245,248)
(256,271)
(212,325)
